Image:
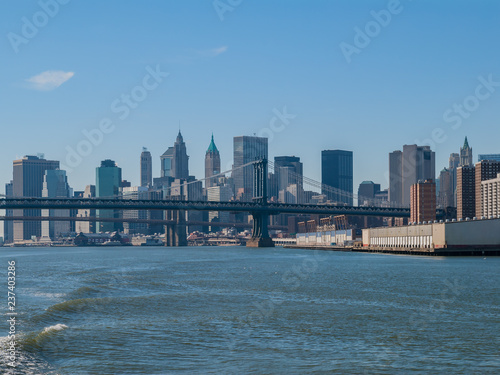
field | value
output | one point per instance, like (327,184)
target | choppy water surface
(238,310)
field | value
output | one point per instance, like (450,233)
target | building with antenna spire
(212,164)
(174,161)
(466,155)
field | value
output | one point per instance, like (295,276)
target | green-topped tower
(212,164)
(466,155)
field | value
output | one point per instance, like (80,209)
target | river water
(234,310)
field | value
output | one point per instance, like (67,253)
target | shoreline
(450,251)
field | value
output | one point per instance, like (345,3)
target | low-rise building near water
(463,237)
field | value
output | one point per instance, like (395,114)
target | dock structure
(463,237)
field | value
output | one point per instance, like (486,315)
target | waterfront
(239,310)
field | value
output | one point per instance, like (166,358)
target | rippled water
(238,310)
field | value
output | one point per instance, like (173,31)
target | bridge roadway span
(252,207)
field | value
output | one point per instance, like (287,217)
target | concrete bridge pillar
(175,234)
(260,234)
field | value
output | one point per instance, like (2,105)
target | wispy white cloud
(49,80)
(213,52)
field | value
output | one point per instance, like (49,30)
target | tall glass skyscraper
(146,168)
(108,181)
(337,173)
(288,170)
(246,149)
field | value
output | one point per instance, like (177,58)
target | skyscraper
(466,154)
(484,170)
(55,185)
(288,170)
(135,193)
(146,168)
(180,160)
(8,234)
(337,173)
(174,161)
(446,192)
(222,193)
(366,193)
(246,149)
(86,226)
(490,197)
(108,181)
(466,195)
(28,175)
(423,201)
(395,179)
(406,168)
(454,162)
(212,164)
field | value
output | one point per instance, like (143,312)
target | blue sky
(230,72)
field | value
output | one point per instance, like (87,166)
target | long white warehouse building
(435,237)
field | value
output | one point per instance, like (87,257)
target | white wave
(57,327)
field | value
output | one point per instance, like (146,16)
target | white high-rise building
(490,197)
(219,194)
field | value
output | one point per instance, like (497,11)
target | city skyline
(403,87)
(137,169)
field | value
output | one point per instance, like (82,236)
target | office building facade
(146,168)
(367,193)
(28,175)
(490,197)
(135,193)
(246,149)
(406,168)
(484,170)
(288,170)
(219,194)
(494,157)
(175,161)
(86,226)
(8,225)
(108,182)
(423,201)
(337,176)
(55,185)
(466,192)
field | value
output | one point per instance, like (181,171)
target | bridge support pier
(175,234)
(260,234)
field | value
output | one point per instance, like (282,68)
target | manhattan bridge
(259,205)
